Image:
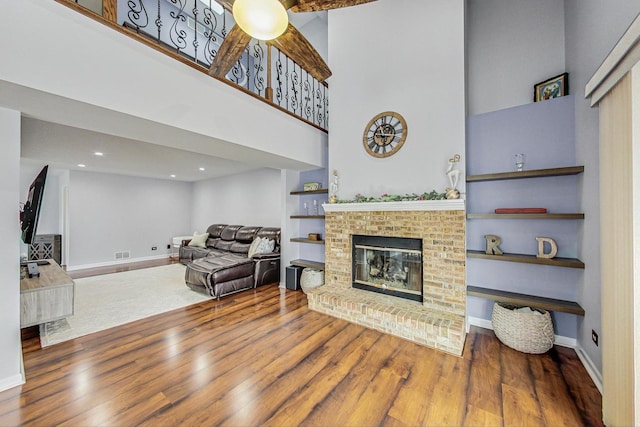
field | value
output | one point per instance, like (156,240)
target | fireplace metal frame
(410,243)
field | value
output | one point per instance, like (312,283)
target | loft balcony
(191,31)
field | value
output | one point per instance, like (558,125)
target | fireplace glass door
(388,265)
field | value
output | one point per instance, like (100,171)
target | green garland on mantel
(359,198)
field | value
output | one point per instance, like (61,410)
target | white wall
(11,353)
(405,56)
(512,45)
(592,29)
(114,213)
(252,198)
(315,31)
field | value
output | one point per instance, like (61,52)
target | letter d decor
(552,244)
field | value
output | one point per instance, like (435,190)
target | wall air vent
(122,255)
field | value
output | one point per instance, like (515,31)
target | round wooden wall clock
(384,134)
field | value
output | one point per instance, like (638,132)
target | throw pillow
(266,246)
(199,240)
(254,247)
(269,245)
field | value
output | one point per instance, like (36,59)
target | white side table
(176,242)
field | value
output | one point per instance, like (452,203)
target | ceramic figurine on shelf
(333,188)
(519,162)
(454,176)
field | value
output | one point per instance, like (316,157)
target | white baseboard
(119,262)
(479,322)
(11,382)
(588,364)
(566,341)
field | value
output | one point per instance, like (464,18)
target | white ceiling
(67,147)
(299,20)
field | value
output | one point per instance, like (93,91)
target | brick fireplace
(439,320)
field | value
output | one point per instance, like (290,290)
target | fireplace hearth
(438,320)
(388,265)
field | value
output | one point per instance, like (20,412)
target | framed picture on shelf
(554,87)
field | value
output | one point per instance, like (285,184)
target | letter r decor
(492,244)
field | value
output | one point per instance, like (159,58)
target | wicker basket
(526,332)
(311,278)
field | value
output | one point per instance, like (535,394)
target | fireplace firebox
(388,265)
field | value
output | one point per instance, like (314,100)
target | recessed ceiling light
(98,153)
(172,175)
(201,169)
(80,165)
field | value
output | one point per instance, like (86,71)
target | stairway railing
(192,31)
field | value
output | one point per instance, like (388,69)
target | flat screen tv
(31,210)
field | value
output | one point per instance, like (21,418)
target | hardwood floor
(262,358)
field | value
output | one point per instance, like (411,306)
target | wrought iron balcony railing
(193,30)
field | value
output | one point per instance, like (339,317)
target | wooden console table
(46,298)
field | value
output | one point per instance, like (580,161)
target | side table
(46,298)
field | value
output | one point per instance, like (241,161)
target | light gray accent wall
(11,353)
(415,68)
(114,213)
(251,198)
(316,32)
(512,45)
(592,29)
(311,251)
(493,139)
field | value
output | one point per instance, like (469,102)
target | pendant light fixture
(261,19)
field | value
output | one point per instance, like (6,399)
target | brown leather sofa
(223,266)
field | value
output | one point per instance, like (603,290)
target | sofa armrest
(267,268)
(270,255)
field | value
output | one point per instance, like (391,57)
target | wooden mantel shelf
(550,304)
(302,192)
(528,259)
(305,240)
(534,173)
(308,264)
(526,216)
